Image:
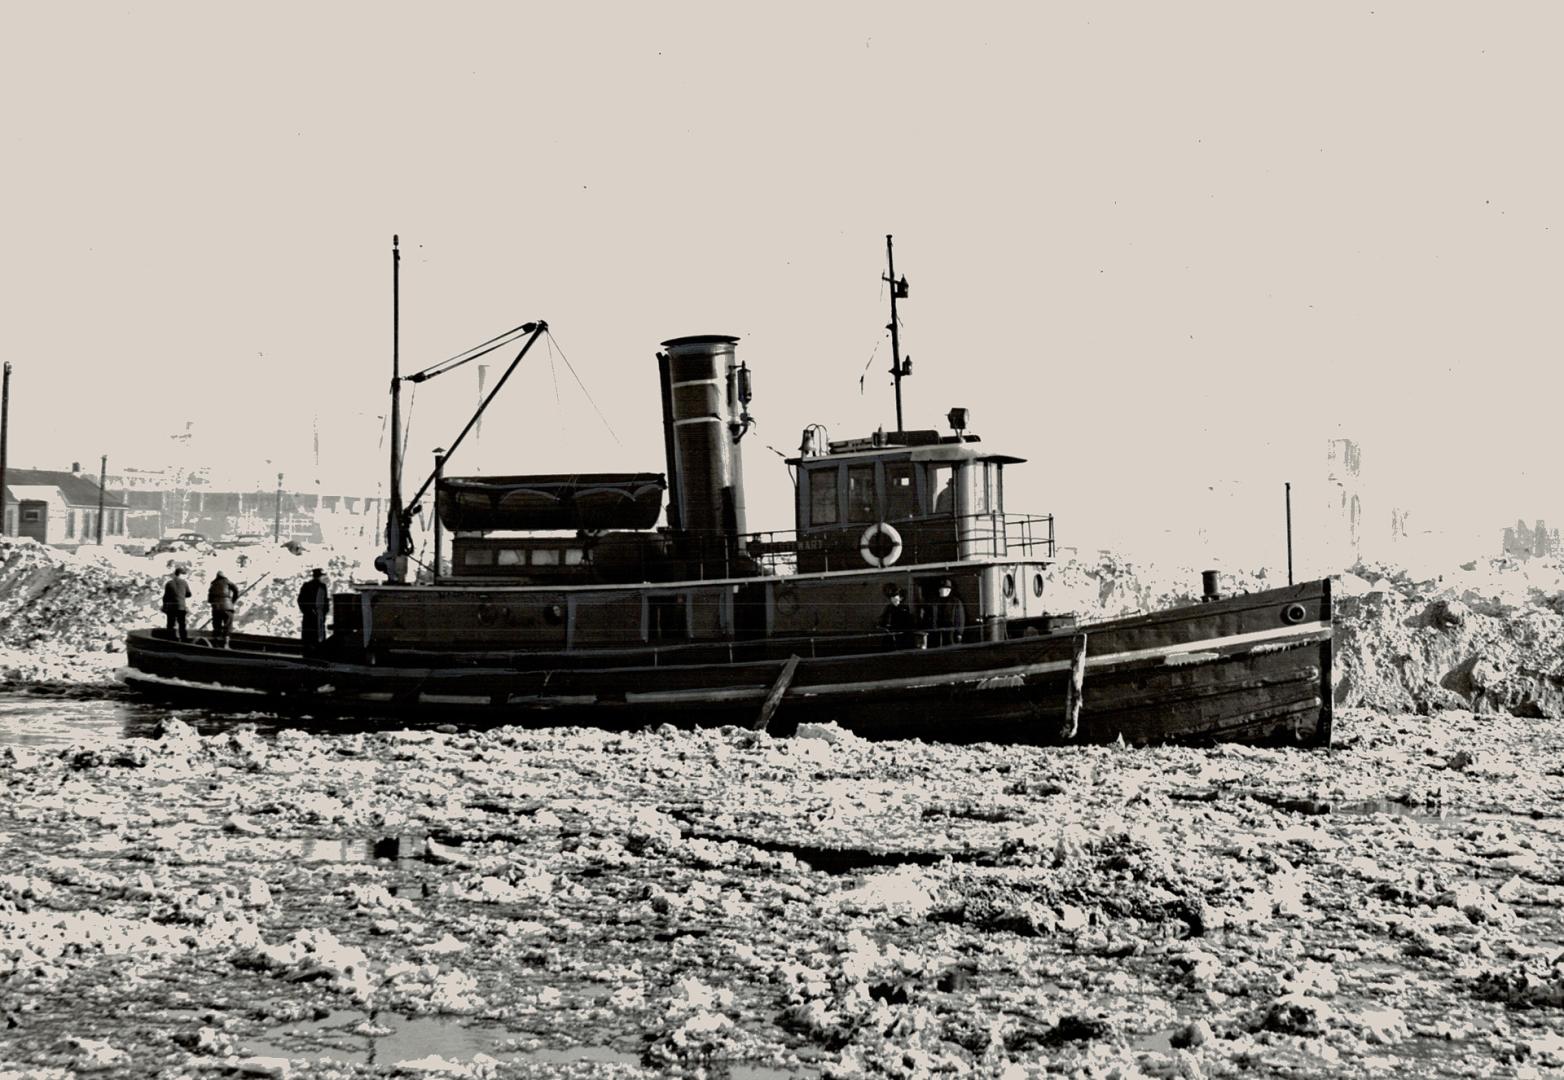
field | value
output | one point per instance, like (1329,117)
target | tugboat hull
(1250,668)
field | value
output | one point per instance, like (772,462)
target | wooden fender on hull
(866,544)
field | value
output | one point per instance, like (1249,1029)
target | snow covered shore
(64,615)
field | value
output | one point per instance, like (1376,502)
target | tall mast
(394,517)
(898,292)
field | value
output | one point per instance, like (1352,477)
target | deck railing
(1016,536)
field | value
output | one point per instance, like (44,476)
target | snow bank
(64,614)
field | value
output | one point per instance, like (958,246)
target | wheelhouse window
(860,493)
(822,497)
(901,495)
(942,492)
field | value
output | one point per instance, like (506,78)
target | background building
(61,508)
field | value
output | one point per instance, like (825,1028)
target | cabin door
(749,611)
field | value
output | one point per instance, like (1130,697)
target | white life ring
(873,532)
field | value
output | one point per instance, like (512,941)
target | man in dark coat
(314,604)
(223,595)
(176,596)
(947,616)
(897,620)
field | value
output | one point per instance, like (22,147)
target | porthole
(1010,585)
(1294,613)
(1037,584)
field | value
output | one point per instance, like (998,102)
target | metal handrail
(1026,536)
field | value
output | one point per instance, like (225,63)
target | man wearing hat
(947,616)
(897,620)
(314,604)
(176,596)
(223,595)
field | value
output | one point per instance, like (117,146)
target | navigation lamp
(958,420)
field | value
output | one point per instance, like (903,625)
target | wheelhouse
(911,496)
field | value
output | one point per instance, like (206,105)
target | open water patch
(350,1037)
(1421,812)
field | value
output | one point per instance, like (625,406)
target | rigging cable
(872,353)
(588,393)
(553,374)
(469,354)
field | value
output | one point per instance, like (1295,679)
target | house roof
(76,489)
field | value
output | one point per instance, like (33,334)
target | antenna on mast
(900,368)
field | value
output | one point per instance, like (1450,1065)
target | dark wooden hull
(1250,668)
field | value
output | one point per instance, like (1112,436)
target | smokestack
(703,418)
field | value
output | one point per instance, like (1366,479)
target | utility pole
(277,521)
(5,422)
(103,483)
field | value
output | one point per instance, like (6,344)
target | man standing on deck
(947,616)
(176,594)
(314,603)
(223,596)
(897,620)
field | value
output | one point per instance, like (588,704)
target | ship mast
(391,566)
(899,369)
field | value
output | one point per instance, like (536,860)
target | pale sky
(1148,244)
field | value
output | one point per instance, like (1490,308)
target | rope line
(588,394)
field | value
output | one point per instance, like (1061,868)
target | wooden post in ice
(1072,700)
(774,698)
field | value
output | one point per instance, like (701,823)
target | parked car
(185,541)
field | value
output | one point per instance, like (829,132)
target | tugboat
(566,602)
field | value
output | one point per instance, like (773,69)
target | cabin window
(545,557)
(574,556)
(942,493)
(860,493)
(901,496)
(511,557)
(477,557)
(822,497)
